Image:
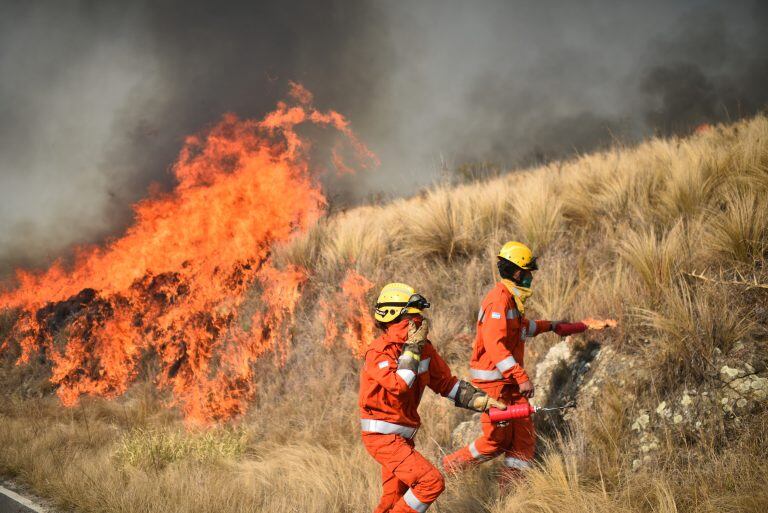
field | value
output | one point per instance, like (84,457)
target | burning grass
(625,234)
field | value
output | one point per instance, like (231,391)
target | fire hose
(521,411)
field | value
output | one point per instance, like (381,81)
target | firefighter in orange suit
(399,365)
(497,365)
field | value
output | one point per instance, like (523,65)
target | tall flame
(174,283)
(349,308)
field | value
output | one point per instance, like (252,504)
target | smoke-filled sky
(96,96)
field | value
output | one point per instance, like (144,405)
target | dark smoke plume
(96,97)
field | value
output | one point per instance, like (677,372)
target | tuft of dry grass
(690,325)
(156,448)
(739,228)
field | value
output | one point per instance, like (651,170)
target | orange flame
(350,308)
(599,324)
(174,283)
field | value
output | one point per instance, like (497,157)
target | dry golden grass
(620,234)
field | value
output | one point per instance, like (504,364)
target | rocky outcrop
(581,372)
(739,389)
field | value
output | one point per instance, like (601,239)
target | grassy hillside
(670,238)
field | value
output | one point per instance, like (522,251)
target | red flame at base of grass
(173,285)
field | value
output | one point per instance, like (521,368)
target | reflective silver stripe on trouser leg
(512,462)
(506,364)
(414,502)
(477,454)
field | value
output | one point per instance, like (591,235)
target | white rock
(759,383)
(730,373)
(677,419)
(661,407)
(641,422)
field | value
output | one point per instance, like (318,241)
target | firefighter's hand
(526,389)
(485,402)
(418,334)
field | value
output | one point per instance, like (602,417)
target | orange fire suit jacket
(499,350)
(385,395)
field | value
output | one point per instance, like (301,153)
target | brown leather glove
(417,336)
(471,398)
(486,402)
(418,333)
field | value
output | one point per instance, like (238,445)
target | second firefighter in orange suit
(497,363)
(399,366)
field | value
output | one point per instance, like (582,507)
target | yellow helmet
(519,254)
(396,299)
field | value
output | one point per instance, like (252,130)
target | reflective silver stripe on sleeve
(383,364)
(414,502)
(473,450)
(386,428)
(454,391)
(485,375)
(424,366)
(506,364)
(511,462)
(407,375)
(480,315)
(513,314)
(531,327)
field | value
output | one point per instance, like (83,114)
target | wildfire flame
(599,324)
(349,308)
(173,285)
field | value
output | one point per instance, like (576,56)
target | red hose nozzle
(515,411)
(570,328)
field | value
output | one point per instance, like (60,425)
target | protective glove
(486,402)
(418,334)
(417,337)
(472,398)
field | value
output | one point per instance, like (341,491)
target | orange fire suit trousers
(410,482)
(516,439)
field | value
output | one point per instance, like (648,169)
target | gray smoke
(96,97)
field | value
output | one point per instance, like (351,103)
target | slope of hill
(670,238)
